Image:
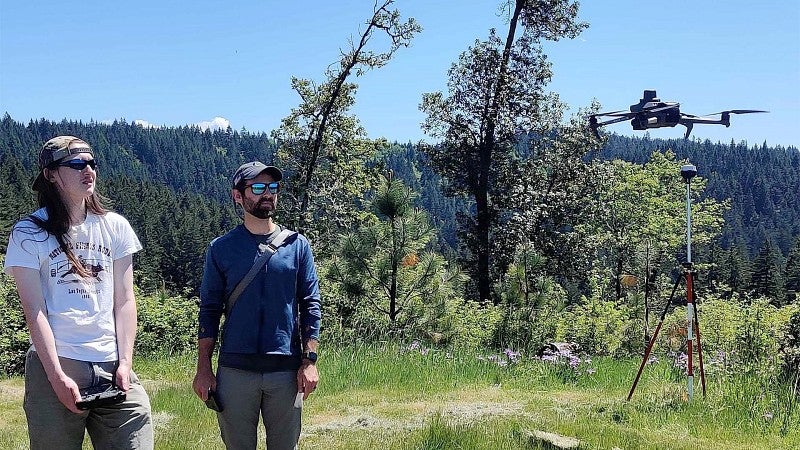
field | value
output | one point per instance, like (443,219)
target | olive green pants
(126,425)
(247,397)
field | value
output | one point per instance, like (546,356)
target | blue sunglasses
(260,188)
(78,164)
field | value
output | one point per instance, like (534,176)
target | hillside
(172,184)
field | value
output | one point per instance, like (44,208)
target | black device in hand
(100,395)
(212,401)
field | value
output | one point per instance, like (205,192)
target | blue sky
(173,63)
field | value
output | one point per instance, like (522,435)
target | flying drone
(651,112)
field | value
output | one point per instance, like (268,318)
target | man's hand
(122,378)
(307,378)
(67,391)
(203,381)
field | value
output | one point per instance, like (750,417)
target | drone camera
(688,171)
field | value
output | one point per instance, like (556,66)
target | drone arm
(594,124)
(688,124)
(615,120)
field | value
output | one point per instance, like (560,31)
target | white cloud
(217,123)
(144,124)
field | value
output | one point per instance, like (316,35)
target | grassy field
(389,398)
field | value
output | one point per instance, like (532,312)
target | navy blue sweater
(282,300)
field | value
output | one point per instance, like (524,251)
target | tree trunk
(486,148)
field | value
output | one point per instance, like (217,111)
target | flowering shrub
(507,358)
(416,347)
(566,365)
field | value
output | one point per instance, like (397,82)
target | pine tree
(385,260)
(792,274)
(766,279)
(496,94)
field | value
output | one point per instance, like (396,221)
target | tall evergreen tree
(496,93)
(792,274)
(766,278)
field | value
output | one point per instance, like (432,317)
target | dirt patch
(12,391)
(408,416)
(161,420)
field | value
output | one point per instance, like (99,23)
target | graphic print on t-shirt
(93,266)
(61,269)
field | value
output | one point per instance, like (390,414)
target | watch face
(311,356)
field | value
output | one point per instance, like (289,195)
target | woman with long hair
(72,260)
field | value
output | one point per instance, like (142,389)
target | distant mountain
(762,182)
(173,185)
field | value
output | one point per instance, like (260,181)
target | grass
(382,397)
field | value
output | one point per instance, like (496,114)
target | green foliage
(761,181)
(792,274)
(465,324)
(14,336)
(643,221)
(600,327)
(324,150)
(739,335)
(382,270)
(496,92)
(766,278)
(790,345)
(531,301)
(167,325)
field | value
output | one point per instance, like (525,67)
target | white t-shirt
(79,310)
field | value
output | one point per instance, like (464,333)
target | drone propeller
(738,111)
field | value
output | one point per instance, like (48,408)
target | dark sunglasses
(78,164)
(260,188)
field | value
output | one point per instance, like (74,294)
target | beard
(262,209)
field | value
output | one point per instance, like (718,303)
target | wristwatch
(311,356)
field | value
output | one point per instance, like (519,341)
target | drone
(651,112)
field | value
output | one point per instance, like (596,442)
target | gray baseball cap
(57,149)
(250,170)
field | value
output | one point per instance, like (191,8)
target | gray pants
(244,395)
(126,425)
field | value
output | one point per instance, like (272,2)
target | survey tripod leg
(691,304)
(654,337)
(692,335)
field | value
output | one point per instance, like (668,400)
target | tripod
(688,172)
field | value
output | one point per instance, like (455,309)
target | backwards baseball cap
(250,170)
(57,149)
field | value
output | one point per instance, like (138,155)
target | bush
(469,324)
(167,324)
(599,327)
(14,336)
(790,345)
(745,334)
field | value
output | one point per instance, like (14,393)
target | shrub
(790,345)
(599,327)
(531,302)
(14,336)
(167,324)
(747,334)
(468,324)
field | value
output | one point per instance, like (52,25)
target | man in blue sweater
(269,339)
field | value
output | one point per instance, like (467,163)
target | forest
(173,185)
